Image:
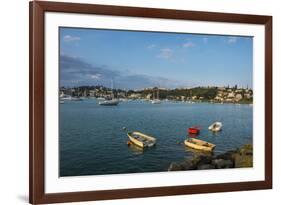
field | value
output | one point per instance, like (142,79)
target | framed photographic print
(139,102)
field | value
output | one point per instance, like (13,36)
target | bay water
(92,139)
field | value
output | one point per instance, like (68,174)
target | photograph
(145,101)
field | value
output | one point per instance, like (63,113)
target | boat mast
(158,94)
(112,87)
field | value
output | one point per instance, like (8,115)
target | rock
(188,165)
(222,163)
(246,149)
(174,167)
(206,166)
(201,159)
(244,160)
(227,155)
(244,157)
(185,165)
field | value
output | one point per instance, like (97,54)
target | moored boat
(215,127)
(194,130)
(199,145)
(156,101)
(74,98)
(100,98)
(109,102)
(141,140)
(112,100)
(70,98)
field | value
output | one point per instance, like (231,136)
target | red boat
(194,130)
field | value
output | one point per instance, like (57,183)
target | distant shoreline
(175,101)
(198,94)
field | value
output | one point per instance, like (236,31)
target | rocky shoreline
(239,158)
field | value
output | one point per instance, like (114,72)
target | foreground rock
(242,157)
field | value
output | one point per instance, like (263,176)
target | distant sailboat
(112,101)
(156,101)
(69,98)
(109,102)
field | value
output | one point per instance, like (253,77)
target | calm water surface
(92,141)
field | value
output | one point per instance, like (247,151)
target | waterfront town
(224,94)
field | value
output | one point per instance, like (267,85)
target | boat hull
(109,102)
(199,145)
(215,127)
(156,102)
(193,130)
(136,142)
(143,140)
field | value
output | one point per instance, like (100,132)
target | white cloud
(69,38)
(232,39)
(165,53)
(96,76)
(188,45)
(151,46)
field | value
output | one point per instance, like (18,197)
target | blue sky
(136,60)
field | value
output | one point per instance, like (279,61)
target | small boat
(123,100)
(215,127)
(65,97)
(100,98)
(199,145)
(70,98)
(74,98)
(109,102)
(194,130)
(156,101)
(141,140)
(112,100)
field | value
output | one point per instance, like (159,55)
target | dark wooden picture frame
(37,193)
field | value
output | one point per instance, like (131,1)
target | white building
(231,95)
(238,97)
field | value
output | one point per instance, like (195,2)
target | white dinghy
(215,127)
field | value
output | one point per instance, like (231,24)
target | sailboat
(156,101)
(64,97)
(112,101)
(109,102)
